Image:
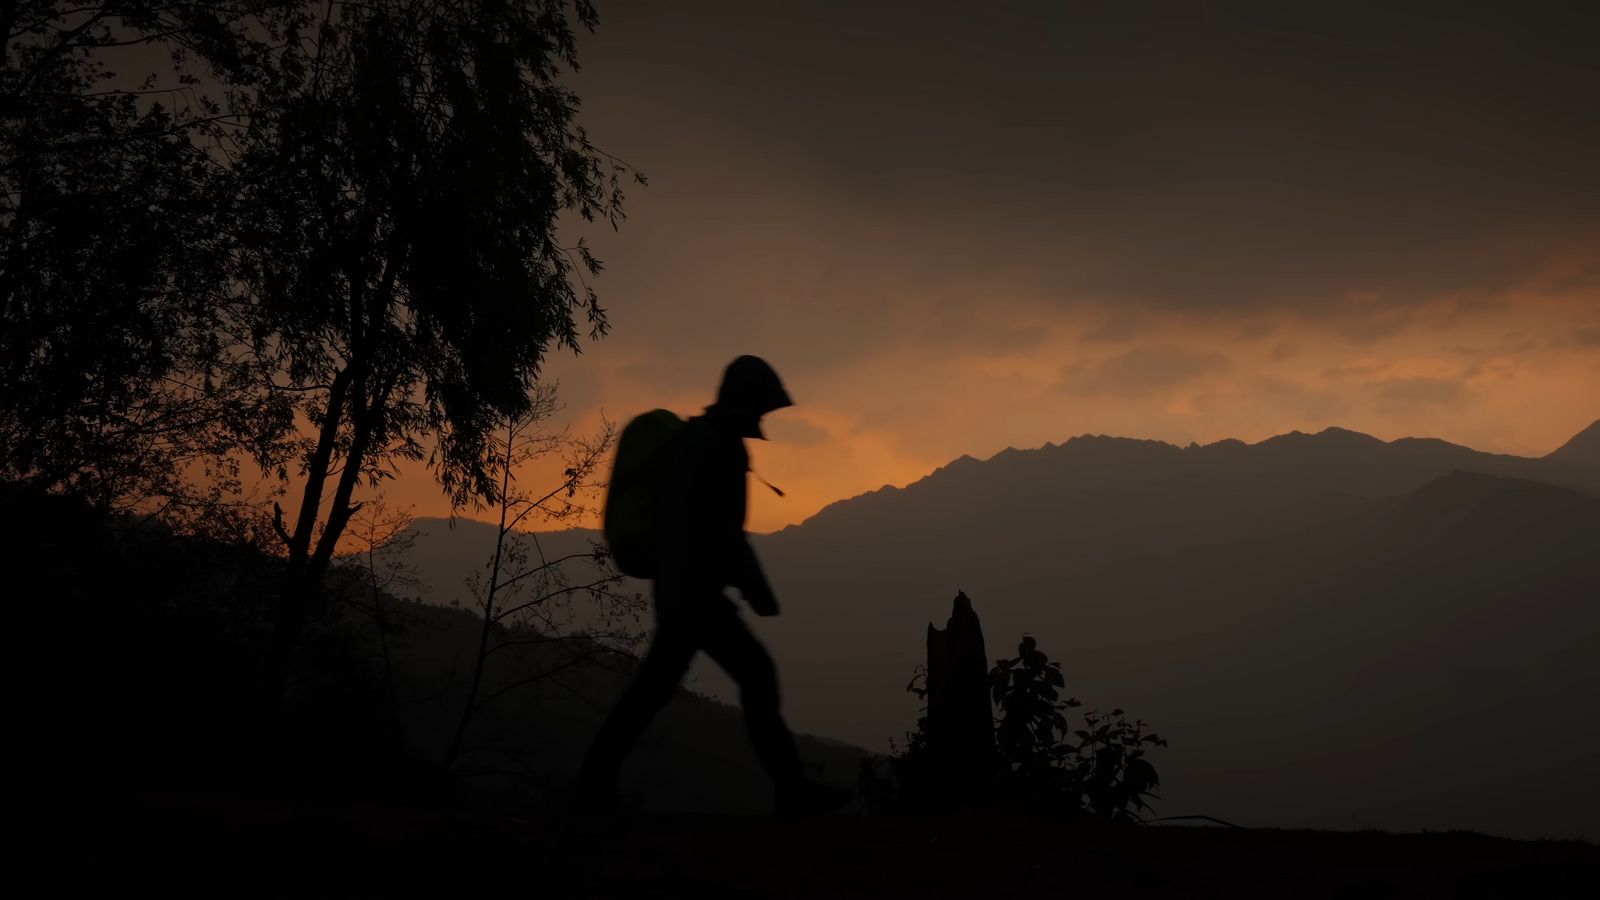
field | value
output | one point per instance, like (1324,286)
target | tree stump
(960,722)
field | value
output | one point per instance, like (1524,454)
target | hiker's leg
(657,680)
(726,638)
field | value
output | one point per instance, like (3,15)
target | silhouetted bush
(1044,764)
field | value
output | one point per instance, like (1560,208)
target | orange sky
(955,229)
(1518,375)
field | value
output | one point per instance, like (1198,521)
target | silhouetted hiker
(699,547)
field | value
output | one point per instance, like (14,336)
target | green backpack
(644,451)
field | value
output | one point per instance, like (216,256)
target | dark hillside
(872,857)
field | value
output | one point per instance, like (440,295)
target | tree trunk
(300,587)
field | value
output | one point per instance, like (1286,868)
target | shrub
(1043,763)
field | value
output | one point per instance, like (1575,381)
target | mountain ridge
(1582,448)
(1549,468)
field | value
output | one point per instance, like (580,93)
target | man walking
(701,549)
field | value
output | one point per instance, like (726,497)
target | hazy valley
(1333,631)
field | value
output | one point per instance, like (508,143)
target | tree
(407,169)
(526,596)
(114,380)
(382,537)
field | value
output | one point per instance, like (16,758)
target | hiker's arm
(751,581)
(744,568)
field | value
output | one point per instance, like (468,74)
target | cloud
(1365,326)
(1095,167)
(1176,159)
(1298,400)
(1142,370)
(1117,327)
(1586,335)
(792,430)
(1419,391)
(1356,370)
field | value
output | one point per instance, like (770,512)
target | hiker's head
(750,390)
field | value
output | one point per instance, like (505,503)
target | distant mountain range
(1582,450)
(1332,630)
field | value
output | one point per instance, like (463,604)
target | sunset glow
(1184,228)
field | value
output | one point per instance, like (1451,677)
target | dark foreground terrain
(224,843)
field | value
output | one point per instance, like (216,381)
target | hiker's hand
(761,600)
